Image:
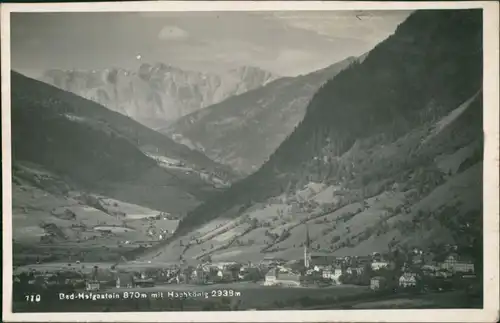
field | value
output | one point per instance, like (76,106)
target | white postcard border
(490,313)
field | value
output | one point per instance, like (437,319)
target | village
(417,270)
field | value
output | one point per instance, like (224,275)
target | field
(52,222)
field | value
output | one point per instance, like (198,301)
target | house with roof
(336,273)
(456,263)
(283,269)
(327,272)
(377,283)
(355,270)
(101,276)
(309,272)
(268,261)
(124,280)
(270,278)
(319,268)
(92,285)
(288,279)
(210,268)
(377,265)
(199,275)
(430,270)
(408,280)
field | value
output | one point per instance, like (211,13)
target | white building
(288,279)
(408,280)
(337,272)
(357,270)
(318,268)
(92,285)
(376,265)
(271,278)
(454,263)
(327,274)
(332,273)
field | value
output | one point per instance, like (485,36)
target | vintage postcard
(250,161)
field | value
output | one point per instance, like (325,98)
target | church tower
(307,255)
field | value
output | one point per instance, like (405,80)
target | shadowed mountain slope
(261,118)
(103,150)
(387,151)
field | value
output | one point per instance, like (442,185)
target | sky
(286,43)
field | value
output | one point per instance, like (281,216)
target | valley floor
(252,296)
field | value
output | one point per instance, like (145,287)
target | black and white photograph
(284,159)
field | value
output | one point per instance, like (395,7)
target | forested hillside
(261,118)
(103,151)
(387,121)
(46,99)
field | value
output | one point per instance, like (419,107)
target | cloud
(217,53)
(286,43)
(370,27)
(172,32)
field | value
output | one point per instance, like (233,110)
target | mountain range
(80,170)
(374,154)
(388,156)
(156,94)
(261,118)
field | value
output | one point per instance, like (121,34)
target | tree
(366,275)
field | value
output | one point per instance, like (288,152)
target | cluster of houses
(77,280)
(207,273)
(283,277)
(45,279)
(224,272)
(372,270)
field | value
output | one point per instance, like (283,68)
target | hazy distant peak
(156,93)
(163,67)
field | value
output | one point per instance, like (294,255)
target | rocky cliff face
(156,94)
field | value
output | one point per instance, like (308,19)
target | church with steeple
(307,252)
